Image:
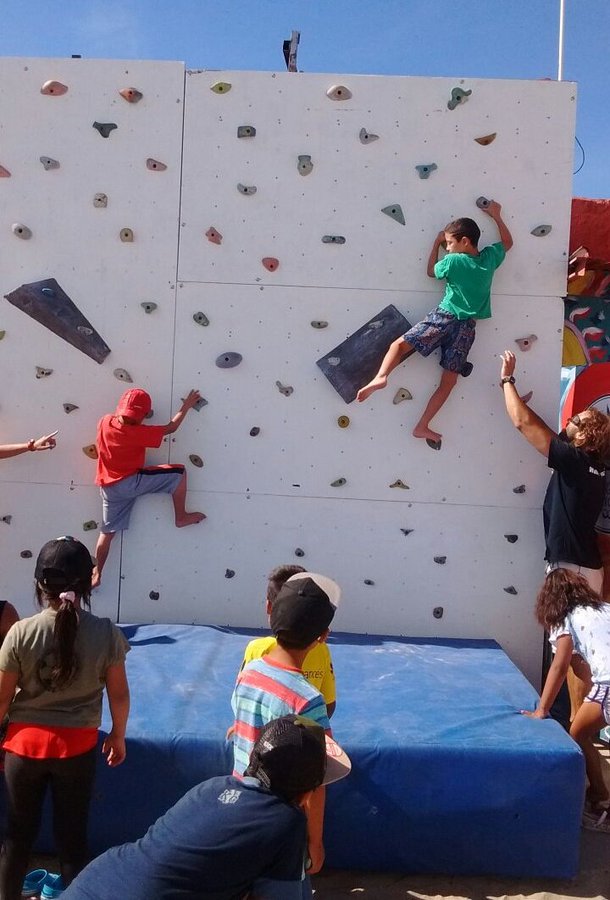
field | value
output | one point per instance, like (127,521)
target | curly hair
(460,228)
(561,593)
(594,435)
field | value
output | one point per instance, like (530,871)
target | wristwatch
(508,379)
(31,443)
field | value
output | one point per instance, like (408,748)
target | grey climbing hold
(458,95)
(201,319)
(541,230)
(338,482)
(437,612)
(343,421)
(42,372)
(26,554)
(369,582)
(527,397)
(511,589)
(482,202)
(228,360)
(149,414)
(333,239)
(90,525)
(304,165)
(155,165)
(154,595)
(246,131)
(246,189)
(6,519)
(525,343)
(100,201)
(520,489)
(511,538)
(254,432)
(21,231)
(148,306)
(399,483)
(333,360)
(69,407)
(49,163)
(426,169)
(48,291)
(131,94)
(54,88)
(441,560)
(91,451)
(284,389)
(123,375)
(406,531)
(104,128)
(486,139)
(84,329)
(434,445)
(318,323)
(126,235)
(221,87)
(394,212)
(229,573)
(196,460)
(338,92)
(299,552)
(200,404)
(366,137)
(2,334)
(402,394)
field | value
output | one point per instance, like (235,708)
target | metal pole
(562,11)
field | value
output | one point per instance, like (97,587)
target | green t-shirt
(468,289)
(78,704)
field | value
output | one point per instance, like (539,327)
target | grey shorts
(600,693)
(118,498)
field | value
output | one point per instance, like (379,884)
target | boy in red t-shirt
(122,440)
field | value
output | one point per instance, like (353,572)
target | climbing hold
(69,407)
(441,560)
(2,334)
(437,612)
(486,139)
(49,163)
(434,445)
(254,432)
(457,96)
(149,414)
(100,201)
(318,323)
(154,595)
(366,137)
(21,231)
(338,482)
(394,212)
(200,404)
(104,128)
(54,88)
(333,360)
(229,573)
(43,373)
(527,397)
(520,489)
(304,165)
(246,189)
(482,202)
(123,375)
(84,329)
(213,236)
(400,484)
(511,589)
(126,235)
(426,170)
(201,318)
(511,538)
(4,173)
(284,389)
(7,519)
(246,131)
(299,552)
(343,421)
(228,360)
(338,92)
(154,165)
(369,582)
(131,94)
(270,263)
(90,525)
(402,394)
(525,343)
(91,451)
(333,239)
(26,554)
(196,460)
(406,531)
(220,87)
(148,306)
(541,230)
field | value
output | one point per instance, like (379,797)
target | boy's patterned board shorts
(442,329)
(118,498)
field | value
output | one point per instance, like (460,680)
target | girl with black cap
(53,670)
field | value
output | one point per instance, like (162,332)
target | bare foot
(96,578)
(420,431)
(190,519)
(376,384)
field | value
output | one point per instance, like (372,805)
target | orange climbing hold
(54,88)
(4,173)
(486,139)
(131,94)
(270,263)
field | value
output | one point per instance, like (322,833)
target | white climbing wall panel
(270,494)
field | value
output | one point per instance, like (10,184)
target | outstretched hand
(493,209)
(47,442)
(509,360)
(190,400)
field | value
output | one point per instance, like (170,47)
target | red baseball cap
(134,403)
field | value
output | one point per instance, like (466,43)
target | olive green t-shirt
(27,650)
(468,289)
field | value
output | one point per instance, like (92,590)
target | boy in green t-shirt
(451,326)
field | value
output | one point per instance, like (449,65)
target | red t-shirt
(121,449)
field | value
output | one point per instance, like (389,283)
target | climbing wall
(307,204)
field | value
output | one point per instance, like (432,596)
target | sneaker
(597,821)
(52,887)
(466,369)
(33,883)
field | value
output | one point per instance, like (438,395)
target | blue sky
(476,38)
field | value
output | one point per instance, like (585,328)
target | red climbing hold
(4,173)
(131,94)
(213,236)
(270,263)
(154,165)
(54,88)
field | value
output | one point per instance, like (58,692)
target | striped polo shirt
(266,690)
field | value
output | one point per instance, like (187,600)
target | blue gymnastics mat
(447,776)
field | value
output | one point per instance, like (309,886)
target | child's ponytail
(64,633)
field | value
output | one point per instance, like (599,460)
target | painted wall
(270,495)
